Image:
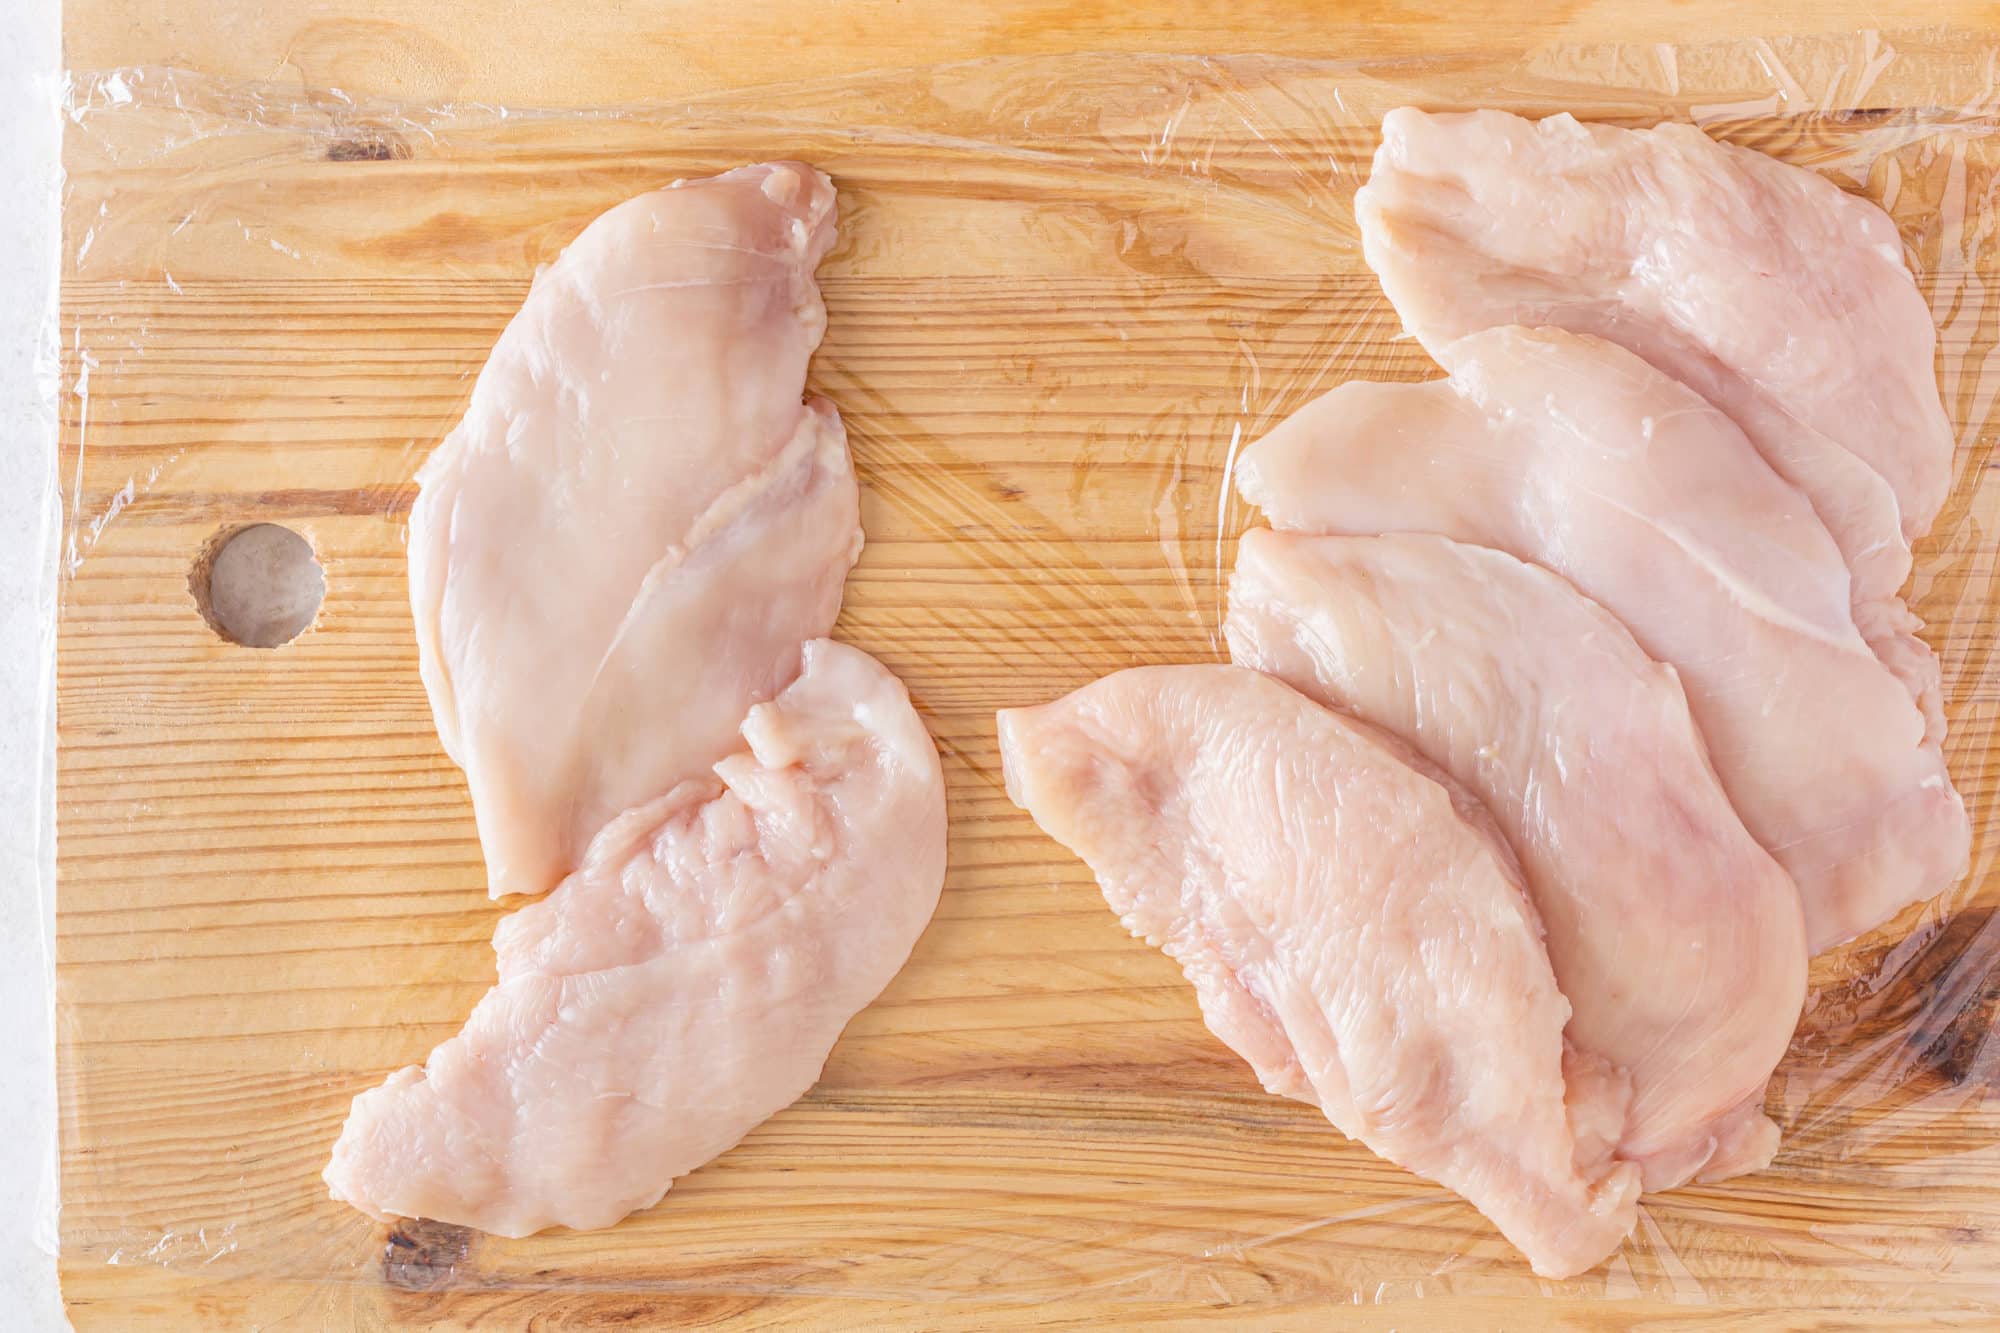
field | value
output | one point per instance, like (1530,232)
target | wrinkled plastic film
(1067,293)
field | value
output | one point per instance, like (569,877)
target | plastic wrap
(1068,291)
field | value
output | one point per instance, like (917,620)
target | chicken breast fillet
(1353,925)
(1766,288)
(684,984)
(623,544)
(1571,453)
(1678,942)
(627,548)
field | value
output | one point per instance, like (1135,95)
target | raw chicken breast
(1572,453)
(1678,942)
(616,557)
(621,547)
(1353,927)
(684,984)
(1767,289)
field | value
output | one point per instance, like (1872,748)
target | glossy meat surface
(1353,926)
(1766,288)
(1677,941)
(622,545)
(1571,453)
(684,984)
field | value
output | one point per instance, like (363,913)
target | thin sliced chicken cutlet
(594,616)
(685,984)
(1353,926)
(616,562)
(1677,941)
(1765,288)
(1569,452)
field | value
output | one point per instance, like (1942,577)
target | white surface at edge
(30,56)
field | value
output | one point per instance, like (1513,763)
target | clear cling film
(1067,293)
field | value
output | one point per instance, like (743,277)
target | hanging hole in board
(259,586)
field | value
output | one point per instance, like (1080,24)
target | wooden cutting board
(1066,289)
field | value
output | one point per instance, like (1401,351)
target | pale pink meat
(622,545)
(1571,453)
(1353,926)
(1767,289)
(684,984)
(629,547)
(1677,941)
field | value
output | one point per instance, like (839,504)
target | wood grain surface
(1068,288)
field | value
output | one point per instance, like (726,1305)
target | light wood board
(1064,292)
